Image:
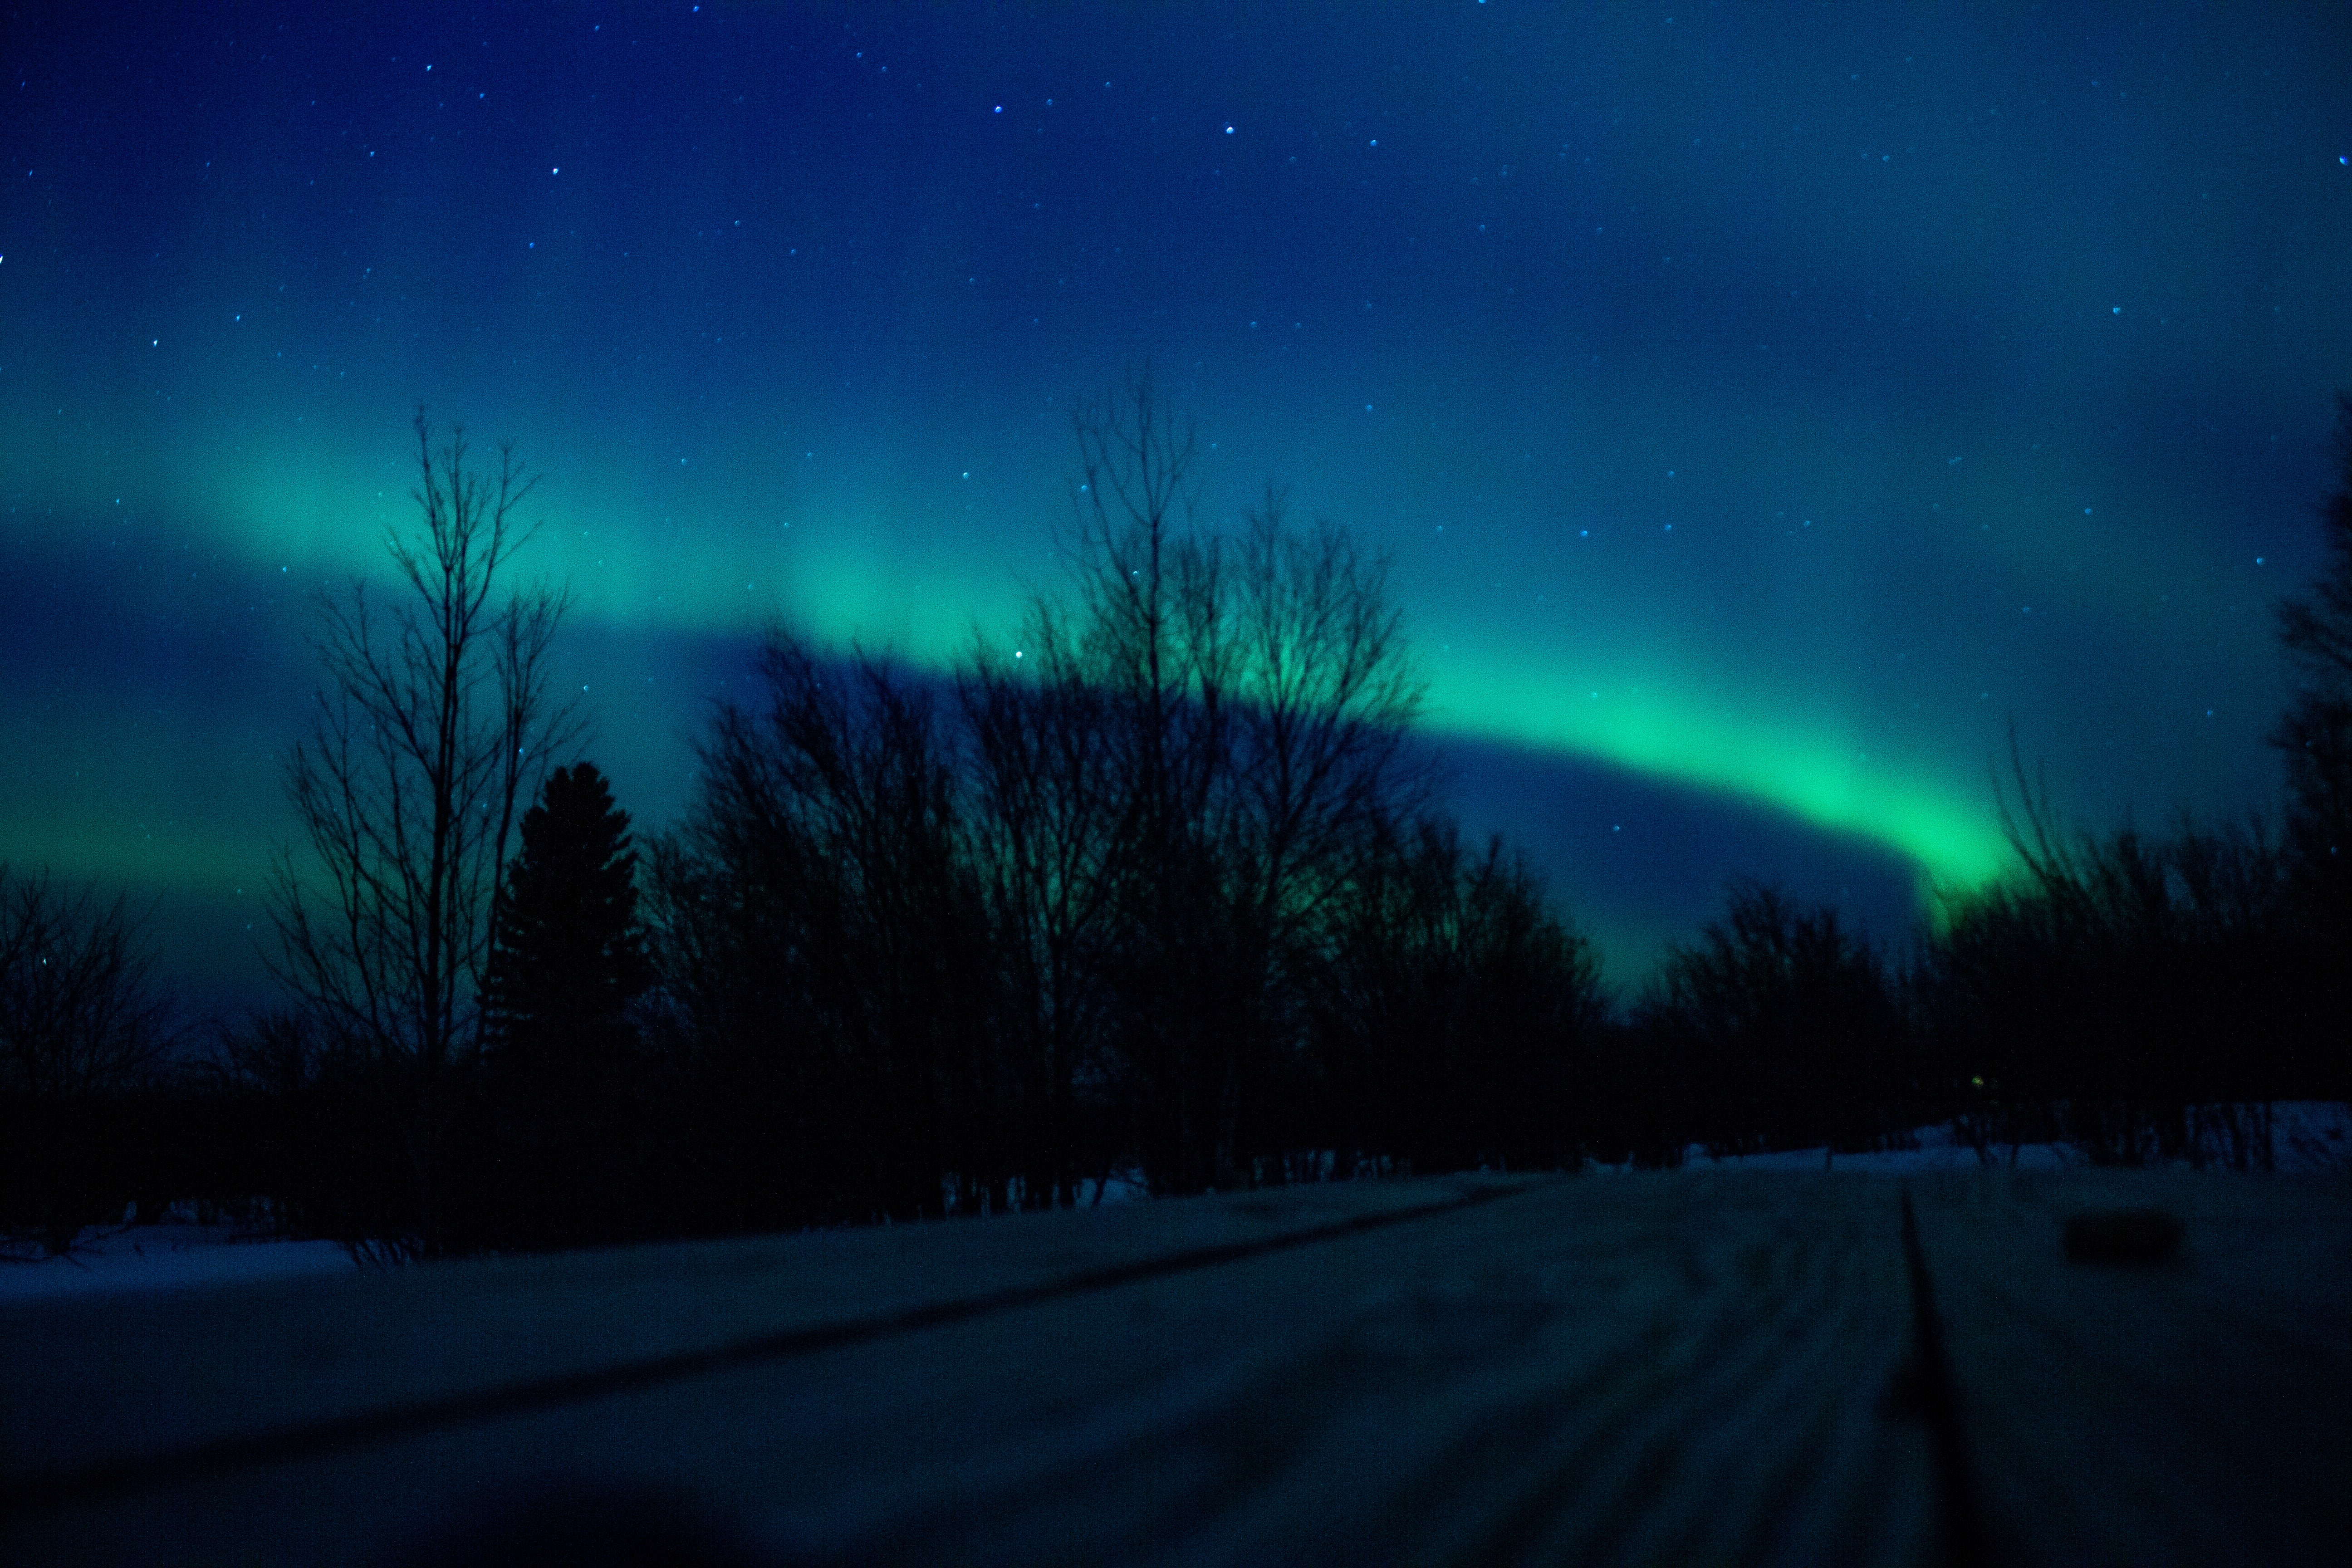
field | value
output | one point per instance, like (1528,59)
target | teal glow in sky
(1765,409)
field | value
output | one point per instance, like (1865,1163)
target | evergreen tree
(562,1157)
(568,956)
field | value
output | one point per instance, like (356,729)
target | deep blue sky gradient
(1765,407)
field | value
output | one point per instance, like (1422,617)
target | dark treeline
(1161,892)
(1156,890)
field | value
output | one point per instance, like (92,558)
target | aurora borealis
(1765,407)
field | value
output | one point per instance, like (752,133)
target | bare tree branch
(78,1009)
(434,718)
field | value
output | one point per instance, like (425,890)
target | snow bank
(161,1257)
(2308,1136)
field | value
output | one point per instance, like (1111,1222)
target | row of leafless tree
(1156,884)
(80,1020)
(1161,888)
(1158,888)
(2138,994)
(2134,997)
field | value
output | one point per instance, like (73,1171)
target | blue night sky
(1764,407)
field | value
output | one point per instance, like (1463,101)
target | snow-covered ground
(174,1253)
(179,1251)
(2308,1135)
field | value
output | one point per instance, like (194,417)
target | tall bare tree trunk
(434,720)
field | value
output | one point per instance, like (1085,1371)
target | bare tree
(1452,1009)
(1255,697)
(824,948)
(1791,1021)
(1151,611)
(1149,616)
(79,1020)
(2133,994)
(2315,732)
(1325,699)
(1047,825)
(434,719)
(77,1008)
(1169,786)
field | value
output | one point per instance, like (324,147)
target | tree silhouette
(1790,1022)
(2122,992)
(1150,617)
(78,1012)
(1452,1011)
(1076,914)
(826,953)
(431,728)
(81,1024)
(2317,732)
(1256,692)
(567,957)
(1045,822)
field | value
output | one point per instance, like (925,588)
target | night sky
(1765,407)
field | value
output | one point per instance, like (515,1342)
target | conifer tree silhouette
(568,957)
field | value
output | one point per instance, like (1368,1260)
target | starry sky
(1765,407)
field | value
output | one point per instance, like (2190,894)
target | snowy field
(174,1252)
(2308,1135)
(178,1251)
